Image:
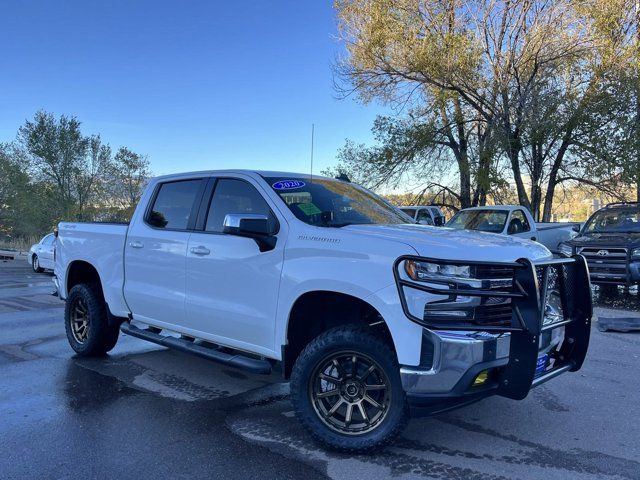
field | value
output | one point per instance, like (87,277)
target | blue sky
(193,84)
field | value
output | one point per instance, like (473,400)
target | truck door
(156,250)
(232,287)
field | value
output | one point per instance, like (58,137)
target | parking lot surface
(147,412)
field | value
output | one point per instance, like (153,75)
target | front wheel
(347,392)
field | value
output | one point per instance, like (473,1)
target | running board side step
(253,365)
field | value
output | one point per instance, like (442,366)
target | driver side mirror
(250,225)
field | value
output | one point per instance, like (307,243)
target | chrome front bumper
(457,359)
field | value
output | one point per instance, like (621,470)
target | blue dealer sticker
(288,184)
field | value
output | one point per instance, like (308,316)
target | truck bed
(101,245)
(552,225)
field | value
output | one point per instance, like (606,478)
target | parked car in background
(41,254)
(513,220)
(610,241)
(425,214)
(366,313)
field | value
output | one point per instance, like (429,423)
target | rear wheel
(346,390)
(86,321)
(35,264)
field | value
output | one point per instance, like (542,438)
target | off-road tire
(100,337)
(359,339)
(35,264)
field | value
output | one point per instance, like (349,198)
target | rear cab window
(409,211)
(174,204)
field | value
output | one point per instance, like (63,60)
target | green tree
(26,208)
(533,74)
(125,178)
(59,153)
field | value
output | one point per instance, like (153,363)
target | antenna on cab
(312,132)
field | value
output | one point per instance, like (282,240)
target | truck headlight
(425,271)
(635,254)
(565,249)
(443,293)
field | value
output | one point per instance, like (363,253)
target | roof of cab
(495,207)
(419,206)
(262,173)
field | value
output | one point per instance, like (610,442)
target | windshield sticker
(288,184)
(309,209)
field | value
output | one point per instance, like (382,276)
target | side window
(518,222)
(410,211)
(173,204)
(424,217)
(235,196)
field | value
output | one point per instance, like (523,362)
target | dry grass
(19,244)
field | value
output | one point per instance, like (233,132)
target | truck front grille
(492,272)
(497,313)
(606,264)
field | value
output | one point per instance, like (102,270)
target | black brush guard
(528,299)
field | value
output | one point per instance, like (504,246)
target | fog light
(481,379)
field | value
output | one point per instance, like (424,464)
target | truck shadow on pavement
(617,298)
(493,439)
(475,452)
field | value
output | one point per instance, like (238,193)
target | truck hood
(609,239)
(449,244)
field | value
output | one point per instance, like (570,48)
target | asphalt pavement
(147,412)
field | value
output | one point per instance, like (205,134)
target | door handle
(136,244)
(200,250)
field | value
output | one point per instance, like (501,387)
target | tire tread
(102,336)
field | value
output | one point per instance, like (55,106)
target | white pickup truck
(370,316)
(516,221)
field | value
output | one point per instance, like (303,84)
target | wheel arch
(81,271)
(317,311)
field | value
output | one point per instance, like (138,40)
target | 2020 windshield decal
(288,184)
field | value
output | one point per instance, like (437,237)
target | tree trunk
(637,119)
(548,201)
(513,151)
(463,160)
(553,175)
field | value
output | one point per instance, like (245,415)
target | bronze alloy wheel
(350,392)
(80,321)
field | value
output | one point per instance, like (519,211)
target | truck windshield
(482,220)
(331,203)
(614,220)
